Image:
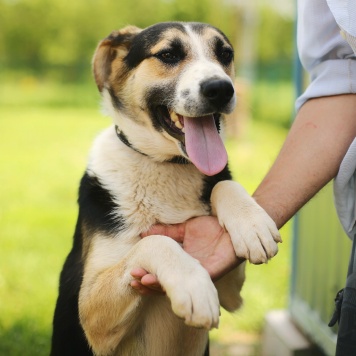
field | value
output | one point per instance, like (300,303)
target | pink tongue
(204,145)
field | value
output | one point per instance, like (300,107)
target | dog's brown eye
(168,57)
(226,55)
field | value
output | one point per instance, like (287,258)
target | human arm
(325,123)
(310,157)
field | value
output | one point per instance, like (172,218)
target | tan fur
(109,307)
(105,52)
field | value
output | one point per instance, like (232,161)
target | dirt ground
(238,345)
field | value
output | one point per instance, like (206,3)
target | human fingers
(176,231)
(135,284)
(145,283)
(138,273)
(150,281)
(144,290)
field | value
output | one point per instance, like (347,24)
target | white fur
(253,233)
(146,193)
(200,69)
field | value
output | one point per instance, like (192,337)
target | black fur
(159,96)
(224,54)
(68,336)
(96,206)
(123,138)
(210,182)
(199,27)
(95,214)
(115,100)
(179,160)
(145,40)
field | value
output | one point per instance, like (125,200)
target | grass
(45,139)
(43,157)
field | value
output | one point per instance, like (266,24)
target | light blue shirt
(326,33)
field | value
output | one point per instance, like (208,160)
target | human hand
(204,239)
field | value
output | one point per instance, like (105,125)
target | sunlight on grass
(43,155)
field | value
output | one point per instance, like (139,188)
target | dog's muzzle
(198,132)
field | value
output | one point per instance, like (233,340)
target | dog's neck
(123,138)
(120,134)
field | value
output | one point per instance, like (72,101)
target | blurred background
(50,113)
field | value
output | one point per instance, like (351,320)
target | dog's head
(167,87)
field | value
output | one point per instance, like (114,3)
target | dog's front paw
(253,233)
(194,298)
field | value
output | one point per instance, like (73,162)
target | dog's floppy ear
(117,44)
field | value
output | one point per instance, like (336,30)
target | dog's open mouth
(199,137)
(172,122)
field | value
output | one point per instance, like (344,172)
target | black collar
(124,140)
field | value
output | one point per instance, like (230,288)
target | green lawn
(45,138)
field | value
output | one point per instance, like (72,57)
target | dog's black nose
(218,92)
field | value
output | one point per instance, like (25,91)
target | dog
(167,89)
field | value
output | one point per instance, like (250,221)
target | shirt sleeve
(323,51)
(345,191)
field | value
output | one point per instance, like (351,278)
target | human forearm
(310,157)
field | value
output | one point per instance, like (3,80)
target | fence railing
(321,252)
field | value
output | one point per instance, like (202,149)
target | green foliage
(59,36)
(277,29)
(275,46)
(273,102)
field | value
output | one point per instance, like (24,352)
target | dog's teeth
(174,117)
(178,124)
(183,130)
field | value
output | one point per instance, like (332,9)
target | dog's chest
(165,193)
(146,192)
